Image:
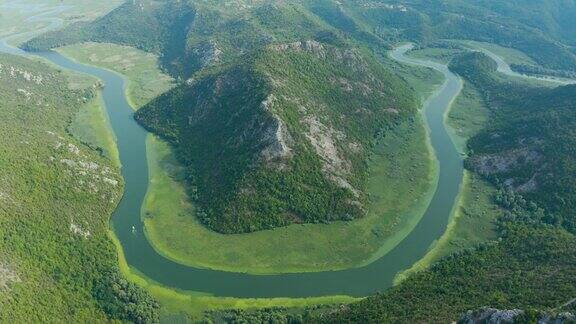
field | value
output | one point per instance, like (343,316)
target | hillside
(193,34)
(276,112)
(528,148)
(288,130)
(282,138)
(59,186)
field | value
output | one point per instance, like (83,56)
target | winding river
(376,276)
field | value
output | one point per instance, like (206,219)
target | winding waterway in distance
(376,276)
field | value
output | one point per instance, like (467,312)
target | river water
(369,279)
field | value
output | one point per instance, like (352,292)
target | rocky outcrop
(489,315)
(488,164)
(276,137)
(8,276)
(324,140)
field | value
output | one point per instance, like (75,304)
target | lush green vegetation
(536,29)
(304,159)
(527,148)
(473,219)
(392,213)
(532,267)
(249,181)
(265,144)
(144,78)
(246,184)
(534,235)
(177,305)
(510,24)
(57,195)
(92,127)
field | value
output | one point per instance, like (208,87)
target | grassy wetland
(174,231)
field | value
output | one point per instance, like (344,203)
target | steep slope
(528,149)
(282,138)
(56,197)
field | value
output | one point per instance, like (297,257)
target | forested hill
(529,147)
(195,33)
(283,137)
(280,109)
(57,263)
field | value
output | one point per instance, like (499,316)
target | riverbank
(472,222)
(171,227)
(194,304)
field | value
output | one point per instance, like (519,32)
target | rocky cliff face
(488,315)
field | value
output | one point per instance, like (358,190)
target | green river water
(140,255)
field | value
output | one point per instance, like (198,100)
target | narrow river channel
(374,277)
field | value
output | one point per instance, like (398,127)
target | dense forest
(528,148)
(56,195)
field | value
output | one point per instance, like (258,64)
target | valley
(284,178)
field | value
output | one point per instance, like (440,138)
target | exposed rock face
(207,53)
(348,57)
(488,164)
(276,137)
(78,230)
(323,139)
(8,276)
(488,315)
(505,163)
(309,46)
(88,175)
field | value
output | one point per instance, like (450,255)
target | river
(366,280)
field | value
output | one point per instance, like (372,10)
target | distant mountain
(189,33)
